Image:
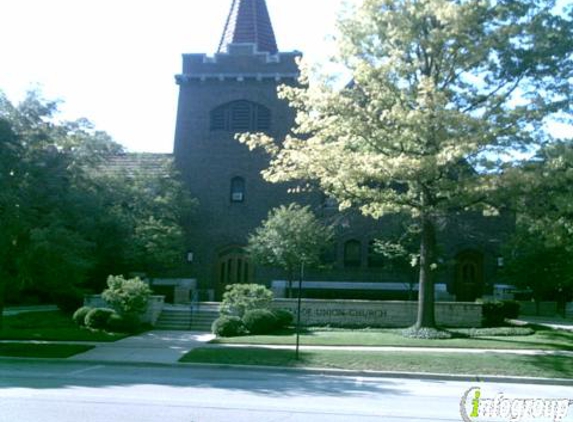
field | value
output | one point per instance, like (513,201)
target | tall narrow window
(237,189)
(352,254)
(241,116)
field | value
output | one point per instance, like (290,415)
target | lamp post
(298,307)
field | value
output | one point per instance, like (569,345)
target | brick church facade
(235,90)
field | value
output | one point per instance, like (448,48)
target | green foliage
(541,192)
(123,323)
(284,317)
(68,217)
(440,91)
(98,318)
(79,316)
(260,321)
(228,326)
(128,297)
(240,298)
(494,314)
(289,237)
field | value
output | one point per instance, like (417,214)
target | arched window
(375,257)
(241,116)
(352,254)
(237,189)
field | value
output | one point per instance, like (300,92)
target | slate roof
(131,163)
(249,22)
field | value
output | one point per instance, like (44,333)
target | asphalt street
(34,391)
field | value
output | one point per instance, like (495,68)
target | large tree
(439,91)
(541,194)
(67,219)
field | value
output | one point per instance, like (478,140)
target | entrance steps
(196,317)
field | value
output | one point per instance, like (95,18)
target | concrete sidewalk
(169,346)
(151,347)
(557,323)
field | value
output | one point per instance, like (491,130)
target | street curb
(316,371)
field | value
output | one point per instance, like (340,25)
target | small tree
(289,237)
(127,297)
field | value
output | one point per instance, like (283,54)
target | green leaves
(289,237)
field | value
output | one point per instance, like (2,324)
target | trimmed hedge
(284,317)
(79,316)
(228,326)
(260,321)
(123,323)
(98,318)
(495,313)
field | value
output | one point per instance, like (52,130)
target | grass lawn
(32,350)
(49,325)
(450,363)
(546,339)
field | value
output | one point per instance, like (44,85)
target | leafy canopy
(290,236)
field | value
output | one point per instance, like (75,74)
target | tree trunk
(426,316)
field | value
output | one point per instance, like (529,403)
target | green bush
(123,323)
(79,316)
(98,318)
(228,326)
(127,297)
(495,313)
(260,321)
(240,298)
(284,317)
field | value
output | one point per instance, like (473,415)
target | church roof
(249,22)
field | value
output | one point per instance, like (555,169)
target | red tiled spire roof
(249,22)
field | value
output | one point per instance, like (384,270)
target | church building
(235,90)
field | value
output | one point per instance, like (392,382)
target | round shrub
(98,318)
(494,314)
(123,323)
(284,317)
(260,321)
(228,326)
(79,316)
(240,298)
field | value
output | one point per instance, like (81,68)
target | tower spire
(249,22)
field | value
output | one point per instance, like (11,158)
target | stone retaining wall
(380,313)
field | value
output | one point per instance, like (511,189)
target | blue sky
(114,61)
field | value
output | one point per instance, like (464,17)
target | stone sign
(391,314)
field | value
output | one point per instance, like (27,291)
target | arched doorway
(469,276)
(233,267)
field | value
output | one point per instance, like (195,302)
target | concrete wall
(380,313)
(150,316)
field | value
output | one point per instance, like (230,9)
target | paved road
(32,391)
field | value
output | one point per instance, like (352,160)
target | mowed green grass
(545,339)
(478,364)
(49,325)
(36,350)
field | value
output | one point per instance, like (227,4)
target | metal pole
(298,309)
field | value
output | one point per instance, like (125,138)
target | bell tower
(232,91)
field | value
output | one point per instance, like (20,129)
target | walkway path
(151,347)
(555,323)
